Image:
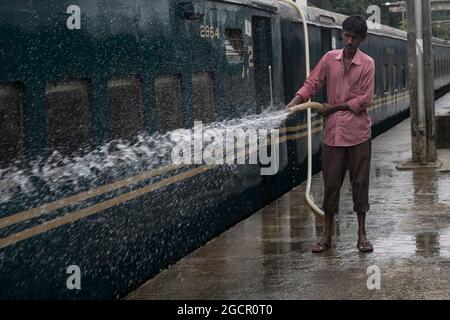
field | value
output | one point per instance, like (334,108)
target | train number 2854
(209,32)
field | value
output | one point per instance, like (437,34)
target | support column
(430,119)
(421,89)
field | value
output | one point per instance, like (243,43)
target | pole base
(409,165)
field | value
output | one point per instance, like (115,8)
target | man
(350,76)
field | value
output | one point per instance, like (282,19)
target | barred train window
(394,77)
(168,102)
(386,78)
(234,45)
(125,105)
(403,76)
(203,92)
(69,115)
(10,122)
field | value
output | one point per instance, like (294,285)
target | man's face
(351,41)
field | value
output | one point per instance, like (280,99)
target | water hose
(308,107)
(305,106)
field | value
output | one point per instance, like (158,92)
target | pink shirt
(356,88)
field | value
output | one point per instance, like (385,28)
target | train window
(326,19)
(404,76)
(125,107)
(11,133)
(168,102)
(69,115)
(394,77)
(386,78)
(234,45)
(203,92)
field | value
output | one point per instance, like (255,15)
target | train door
(326,45)
(262,59)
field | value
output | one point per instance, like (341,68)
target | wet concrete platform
(267,256)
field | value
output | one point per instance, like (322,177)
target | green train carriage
(75,75)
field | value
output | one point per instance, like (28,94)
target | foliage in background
(443,30)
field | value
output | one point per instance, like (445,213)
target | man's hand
(297,100)
(327,110)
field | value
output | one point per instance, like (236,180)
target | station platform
(268,255)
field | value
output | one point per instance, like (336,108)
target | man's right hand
(297,100)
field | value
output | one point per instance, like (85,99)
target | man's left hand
(326,110)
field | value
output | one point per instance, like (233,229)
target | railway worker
(349,75)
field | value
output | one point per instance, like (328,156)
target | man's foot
(321,247)
(364,246)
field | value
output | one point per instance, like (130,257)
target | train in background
(75,75)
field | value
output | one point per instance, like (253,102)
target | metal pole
(430,121)
(415,71)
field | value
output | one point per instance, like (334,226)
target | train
(76,75)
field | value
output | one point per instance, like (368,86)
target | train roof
(270,5)
(324,18)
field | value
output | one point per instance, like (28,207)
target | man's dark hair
(355,24)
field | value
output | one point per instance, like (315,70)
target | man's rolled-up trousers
(335,162)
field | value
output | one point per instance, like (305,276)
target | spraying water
(145,153)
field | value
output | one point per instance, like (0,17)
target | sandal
(320,247)
(365,246)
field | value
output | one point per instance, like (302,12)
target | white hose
(309,201)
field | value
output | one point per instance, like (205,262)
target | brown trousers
(335,162)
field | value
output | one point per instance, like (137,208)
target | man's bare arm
(298,99)
(330,109)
